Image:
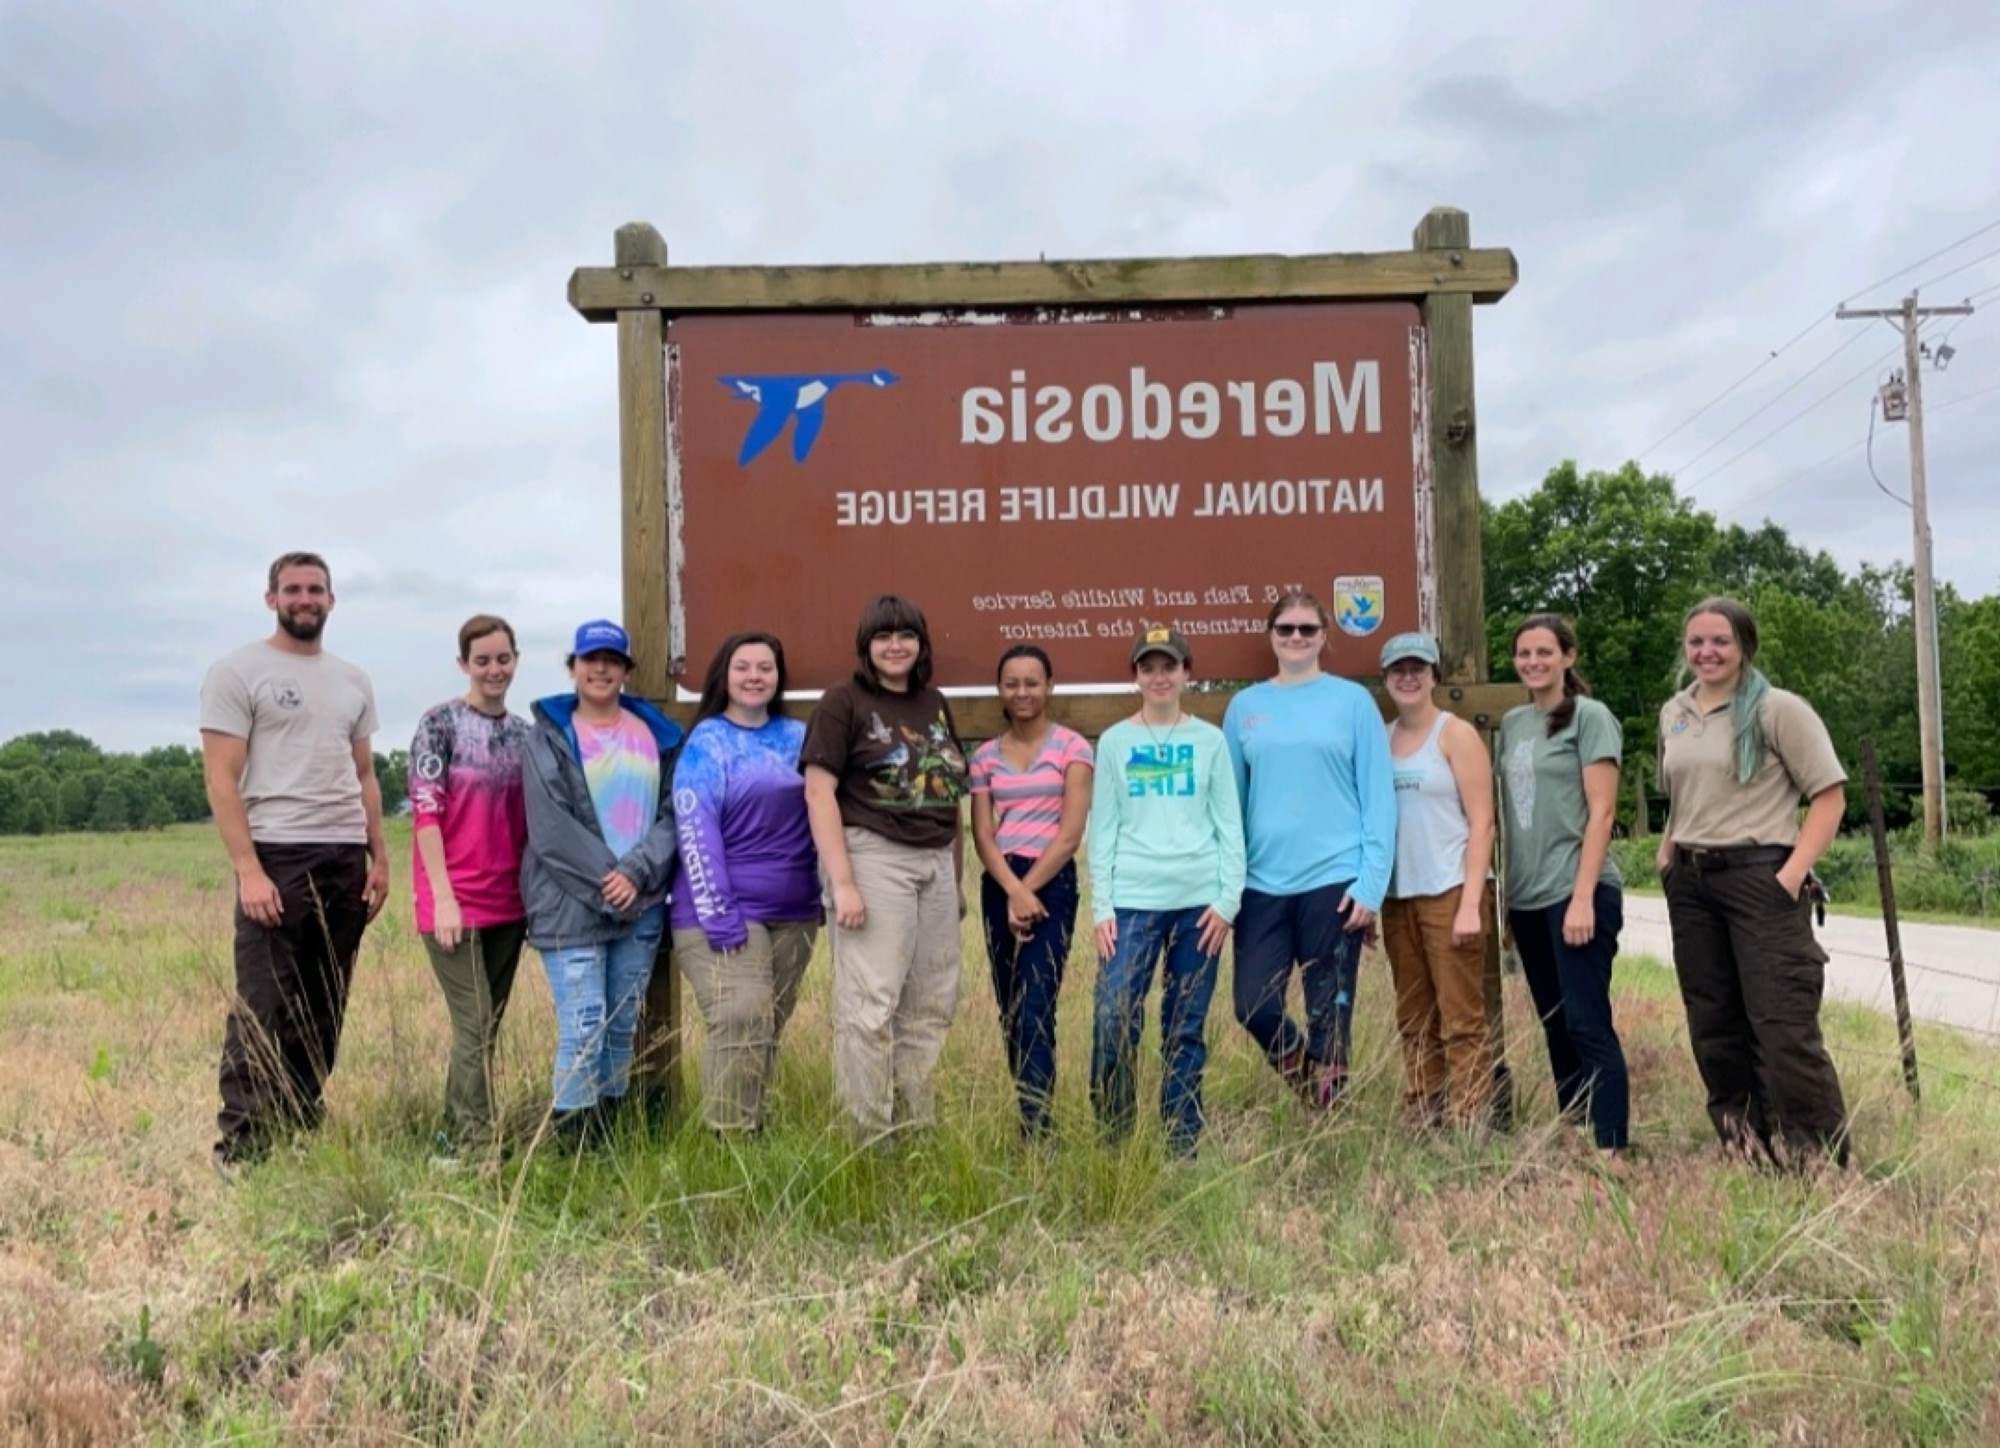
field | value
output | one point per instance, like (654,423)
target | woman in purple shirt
(746,902)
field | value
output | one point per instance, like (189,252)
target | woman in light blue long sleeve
(1319,817)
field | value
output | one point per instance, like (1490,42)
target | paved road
(1953,970)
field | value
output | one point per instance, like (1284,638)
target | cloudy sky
(293,275)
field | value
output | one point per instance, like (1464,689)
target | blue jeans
(1027,976)
(1276,932)
(1572,990)
(1187,983)
(597,991)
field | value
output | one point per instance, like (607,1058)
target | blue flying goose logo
(779,399)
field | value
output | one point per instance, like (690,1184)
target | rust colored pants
(1442,1007)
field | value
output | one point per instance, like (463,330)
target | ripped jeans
(597,990)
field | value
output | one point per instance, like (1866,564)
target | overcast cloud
(282,276)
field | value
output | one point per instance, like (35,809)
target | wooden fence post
(648,603)
(1886,881)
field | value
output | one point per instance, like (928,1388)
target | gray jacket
(562,873)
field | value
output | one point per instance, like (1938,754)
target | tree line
(1624,553)
(59,780)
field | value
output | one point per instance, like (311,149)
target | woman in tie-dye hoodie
(600,857)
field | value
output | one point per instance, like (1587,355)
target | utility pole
(1908,319)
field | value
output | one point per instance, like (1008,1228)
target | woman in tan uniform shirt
(1736,757)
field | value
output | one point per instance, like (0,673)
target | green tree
(62,750)
(392,772)
(113,808)
(1969,642)
(1620,553)
(153,811)
(36,816)
(13,801)
(74,798)
(187,792)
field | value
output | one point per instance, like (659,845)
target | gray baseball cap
(1411,646)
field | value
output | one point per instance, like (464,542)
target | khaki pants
(745,998)
(477,977)
(895,982)
(1441,1006)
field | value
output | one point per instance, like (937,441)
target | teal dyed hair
(1746,710)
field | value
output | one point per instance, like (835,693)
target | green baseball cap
(1411,646)
(1168,641)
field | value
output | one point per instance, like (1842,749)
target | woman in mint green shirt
(1559,756)
(1166,878)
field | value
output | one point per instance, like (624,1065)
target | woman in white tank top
(1440,906)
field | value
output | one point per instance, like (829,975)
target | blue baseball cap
(1410,646)
(602,636)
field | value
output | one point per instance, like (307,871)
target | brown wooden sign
(1051,451)
(1060,477)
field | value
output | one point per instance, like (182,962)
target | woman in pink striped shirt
(1030,801)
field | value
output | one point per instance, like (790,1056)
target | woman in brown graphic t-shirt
(884,777)
(1736,757)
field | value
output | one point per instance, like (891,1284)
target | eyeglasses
(895,635)
(1297,630)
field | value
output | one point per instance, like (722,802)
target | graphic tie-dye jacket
(465,782)
(746,849)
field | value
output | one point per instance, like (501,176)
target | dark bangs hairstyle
(715,684)
(1574,687)
(889,612)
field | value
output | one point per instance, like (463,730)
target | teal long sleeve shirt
(1166,831)
(1318,790)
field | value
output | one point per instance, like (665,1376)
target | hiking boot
(1329,1091)
(1295,1069)
(571,1131)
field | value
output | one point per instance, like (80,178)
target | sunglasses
(1297,630)
(896,635)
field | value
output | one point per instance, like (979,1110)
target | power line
(1701,411)
(1737,504)
(1923,261)
(1814,406)
(1968,266)
(1805,332)
(1796,382)
(1884,487)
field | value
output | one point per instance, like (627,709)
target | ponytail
(1746,716)
(1574,688)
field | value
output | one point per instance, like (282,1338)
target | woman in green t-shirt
(1559,758)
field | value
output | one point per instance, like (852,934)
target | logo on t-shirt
(1521,782)
(1160,769)
(286,693)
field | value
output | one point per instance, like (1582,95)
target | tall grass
(1304,1280)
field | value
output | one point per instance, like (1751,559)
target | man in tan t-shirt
(285,734)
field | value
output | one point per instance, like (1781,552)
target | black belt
(1730,857)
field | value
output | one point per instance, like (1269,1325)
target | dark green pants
(476,976)
(1751,976)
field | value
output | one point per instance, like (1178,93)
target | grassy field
(1304,1280)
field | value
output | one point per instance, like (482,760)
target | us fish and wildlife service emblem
(1358,603)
